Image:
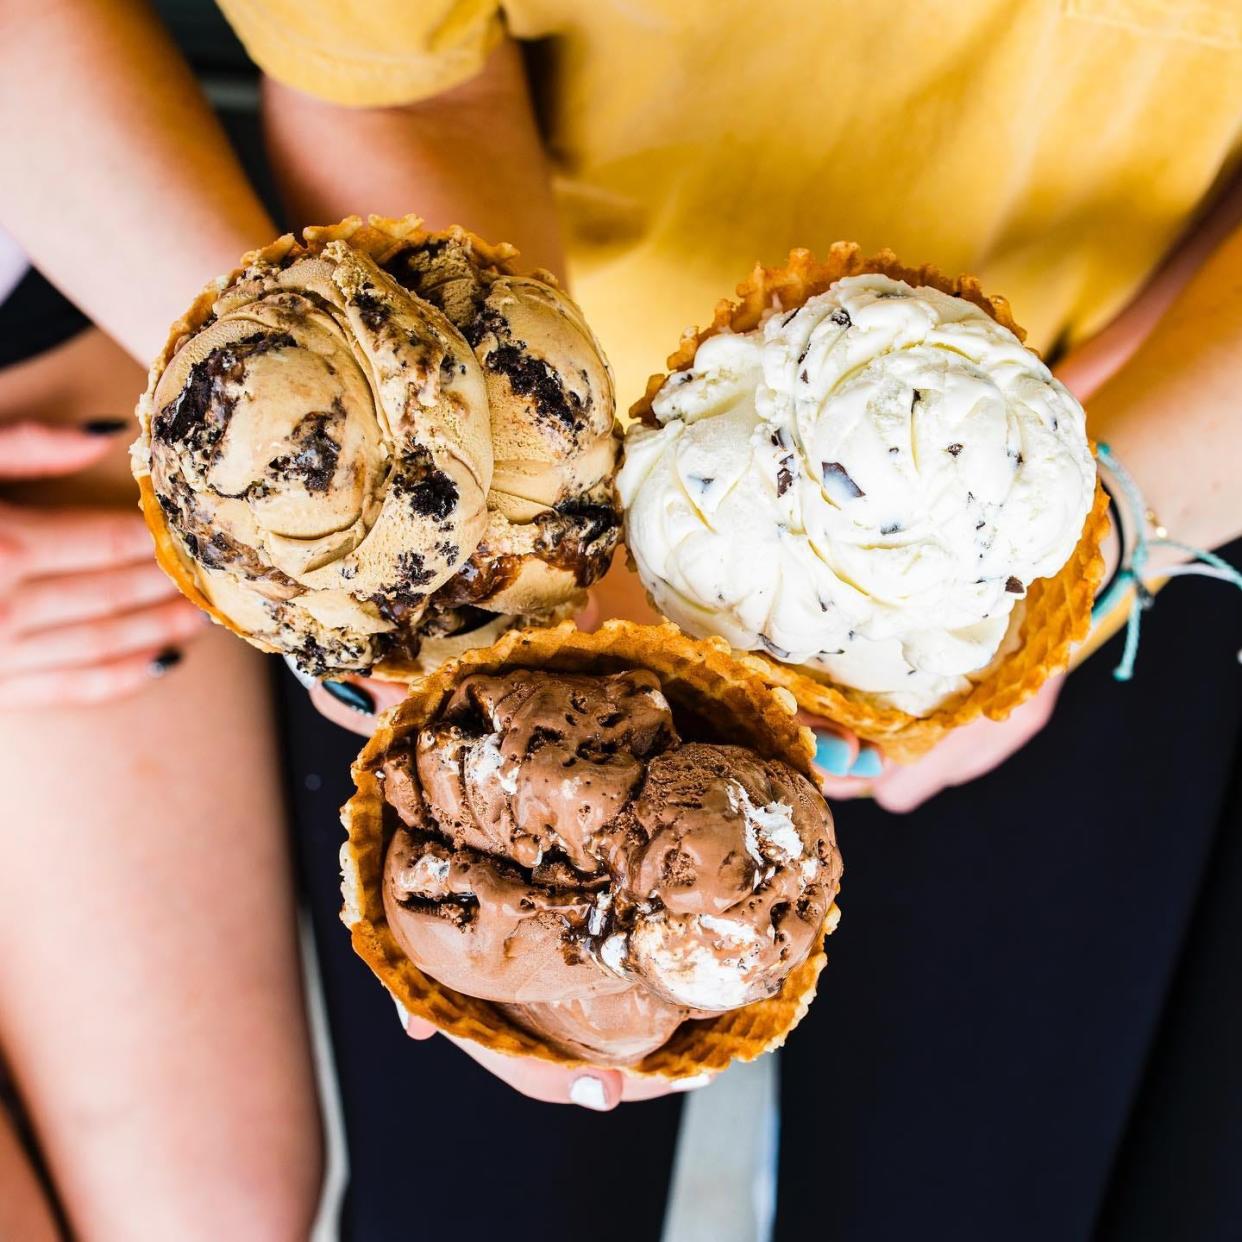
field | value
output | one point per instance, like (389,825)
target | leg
(25,1215)
(150,1001)
(149,992)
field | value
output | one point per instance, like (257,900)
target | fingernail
(105,426)
(588,1092)
(170,657)
(693,1083)
(832,753)
(402,1012)
(352,696)
(868,762)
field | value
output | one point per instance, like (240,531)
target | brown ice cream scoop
(560,851)
(379,446)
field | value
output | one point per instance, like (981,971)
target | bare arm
(1172,413)
(115,176)
(471,156)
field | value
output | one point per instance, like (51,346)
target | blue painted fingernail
(832,753)
(351,695)
(868,762)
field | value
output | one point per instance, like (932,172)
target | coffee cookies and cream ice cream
(382,446)
(561,852)
(864,485)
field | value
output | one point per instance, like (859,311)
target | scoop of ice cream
(562,851)
(865,485)
(346,474)
(526,764)
(733,924)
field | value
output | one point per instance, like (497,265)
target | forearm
(115,176)
(471,156)
(1172,414)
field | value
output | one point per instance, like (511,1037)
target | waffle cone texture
(1057,611)
(703,682)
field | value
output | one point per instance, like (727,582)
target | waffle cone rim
(704,668)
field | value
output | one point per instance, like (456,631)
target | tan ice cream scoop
(319,448)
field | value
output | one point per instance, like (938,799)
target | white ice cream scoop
(865,485)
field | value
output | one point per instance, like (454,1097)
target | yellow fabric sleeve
(367,53)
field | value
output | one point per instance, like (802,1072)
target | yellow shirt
(1055,148)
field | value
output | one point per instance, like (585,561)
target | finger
(846,766)
(94,642)
(354,702)
(835,749)
(596,1089)
(31,450)
(63,541)
(966,754)
(589,618)
(634,1088)
(415,1028)
(83,687)
(43,602)
(842,788)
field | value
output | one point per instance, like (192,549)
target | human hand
(600,1090)
(968,752)
(85,612)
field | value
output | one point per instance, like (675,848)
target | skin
(163,240)
(24,1210)
(165,898)
(151,1011)
(170,214)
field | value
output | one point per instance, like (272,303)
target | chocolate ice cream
(382,445)
(561,852)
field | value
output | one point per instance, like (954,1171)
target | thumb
(31,450)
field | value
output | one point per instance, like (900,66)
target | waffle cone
(702,681)
(379,238)
(1058,609)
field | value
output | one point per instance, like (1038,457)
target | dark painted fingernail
(832,753)
(105,426)
(868,762)
(352,696)
(170,657)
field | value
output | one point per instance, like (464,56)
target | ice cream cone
(703,682)
(1057,612)
(535,586)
